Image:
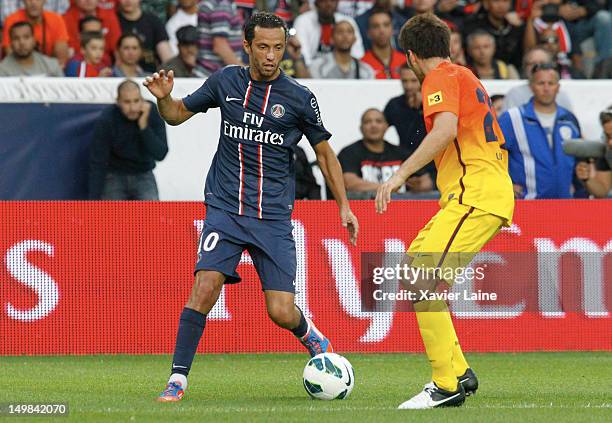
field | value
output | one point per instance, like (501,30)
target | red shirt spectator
(51,25)
(382,57)
(391,71)
(110,26)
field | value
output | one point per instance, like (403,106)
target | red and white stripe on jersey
(260,185)
(241,185)
(247,95)
(83,69)
(266,98)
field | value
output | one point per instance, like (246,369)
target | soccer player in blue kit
(250,187)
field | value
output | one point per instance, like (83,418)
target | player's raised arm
(443,133)
(173,111)
(330,166)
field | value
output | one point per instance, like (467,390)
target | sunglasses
(543,66)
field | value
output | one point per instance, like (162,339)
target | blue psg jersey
(252,172)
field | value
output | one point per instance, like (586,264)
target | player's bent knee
(284,315)
(206,290)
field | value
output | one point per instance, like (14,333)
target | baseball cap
(187,34)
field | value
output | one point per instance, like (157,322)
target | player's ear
(246,46)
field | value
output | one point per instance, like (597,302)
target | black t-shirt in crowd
(370,166)
(508,38)
(602,164)
(151,31)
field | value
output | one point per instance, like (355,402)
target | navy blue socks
(191,327)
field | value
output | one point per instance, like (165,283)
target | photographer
(596,175)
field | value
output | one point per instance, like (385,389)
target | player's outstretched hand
(349,221)
(383,194)
(160,83)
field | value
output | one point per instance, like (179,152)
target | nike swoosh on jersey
(228,98)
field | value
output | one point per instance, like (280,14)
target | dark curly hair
(263,20)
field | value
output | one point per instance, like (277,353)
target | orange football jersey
(473,169)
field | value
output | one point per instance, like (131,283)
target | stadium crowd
(538,40)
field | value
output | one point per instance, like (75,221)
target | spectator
(339,64)
(92,50)
(398,18)
(521,94)
(306,187)
(129,137)
(8,7)
(153,36)
(220,29)
(497,100)
(288,10)
(162,9)
(549,40)
(481,53)
(90,24)
(49,29)
(508,36)
(456,48)
(405,112)
(293,63)
(534,135)
(184,62)
(545,15)
(24,60)
(597,177)
(423,6)
(589,19)
(314,30)
(187,14)
(370,161)
(350,8)
(452,12)
(384,59)
(110,26)
(129,53)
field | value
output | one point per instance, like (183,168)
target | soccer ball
(329,376)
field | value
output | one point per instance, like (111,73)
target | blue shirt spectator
(534,134)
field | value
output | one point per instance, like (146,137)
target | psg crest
(278,111)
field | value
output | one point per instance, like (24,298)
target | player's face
(380,29)
(22,42)
(545,86)
(343,36)
(130,102)
(93,51)
(266,51)
(373,126)
(410,82)
(130,51)
(481,50)
(413,62)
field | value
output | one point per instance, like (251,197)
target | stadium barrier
(47,121)
(112,277)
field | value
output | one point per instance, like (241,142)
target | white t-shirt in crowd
(179,20)
(547,121)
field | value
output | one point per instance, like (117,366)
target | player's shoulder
(299,92)
(229,71)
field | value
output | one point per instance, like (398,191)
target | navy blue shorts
(269,242)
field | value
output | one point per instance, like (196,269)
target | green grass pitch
(530,387)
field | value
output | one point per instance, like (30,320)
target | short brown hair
(88,36)
(427,36)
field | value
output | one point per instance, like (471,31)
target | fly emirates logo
(247,132)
